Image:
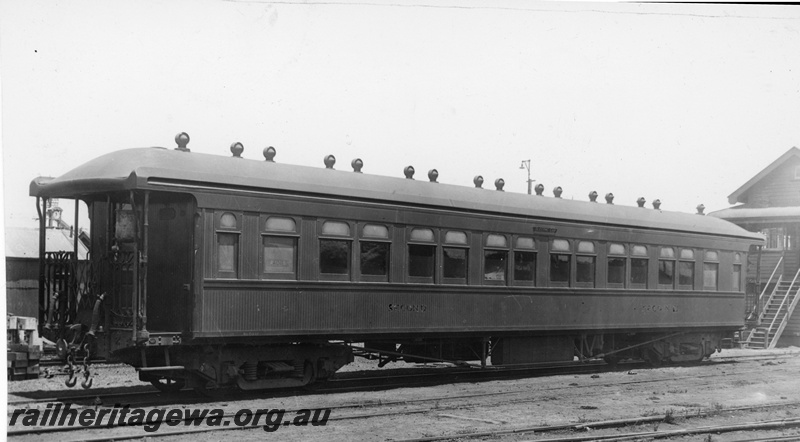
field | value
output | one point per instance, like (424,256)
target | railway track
(576,427)
(364,381)
(407,407)
(636,435)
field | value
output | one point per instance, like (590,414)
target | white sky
(679,102)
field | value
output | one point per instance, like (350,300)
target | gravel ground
(498,406)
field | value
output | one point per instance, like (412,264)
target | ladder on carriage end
(776,314)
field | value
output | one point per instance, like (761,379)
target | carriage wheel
(309,373)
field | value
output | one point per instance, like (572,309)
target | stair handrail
(764,290)
(786,317)
(764,311)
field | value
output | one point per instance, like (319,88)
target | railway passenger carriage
(225,271)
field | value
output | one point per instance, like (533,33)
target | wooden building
(22,260)
(770,203)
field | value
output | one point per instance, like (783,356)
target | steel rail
(365,383)
(781,423)
(400,402)
(611,424)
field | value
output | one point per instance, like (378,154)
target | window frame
(236,233)
(495,249)
(593,256)
(569,254)
(452,245)
(333,237)
(625,266)
(513,264)
(266,233)
(362,238)
(713,264)
(670,260)
(636,257)
(736,269)
(415,242)
(693,265)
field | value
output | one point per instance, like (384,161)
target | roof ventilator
(409,172)
(478,181)
(329,161)
(269,154)
(558,191)
(609,198)
(236,149)
(357,164)
(182,139)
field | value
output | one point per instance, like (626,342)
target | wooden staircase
(777,312)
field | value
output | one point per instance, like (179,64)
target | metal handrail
(785,319)
(763,313)
(758,300)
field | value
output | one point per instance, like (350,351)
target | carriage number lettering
(659,308)
(419,308)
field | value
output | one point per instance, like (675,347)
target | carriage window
(710,271)
(334,254)
(280,224)
(375,231)
(455,258)
(639,265)
(228,221)
(584,264)
(686,274)
(525,260)
(455,263)
(228,246)
(280,252)
(422,235)
(496,241)
(336,228)
(374,255)
(737,272)
(616,264)
(666,267)
(686,269)
(334,257)
(524,242)
(421,260)
(374,258)
(494,265)
(560,262)
(280,256)
(422,257)
(495,262)
(453,237)
(228,254)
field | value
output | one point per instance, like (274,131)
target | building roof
(735,196)
(172,170)
(739,213)
(23,242)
